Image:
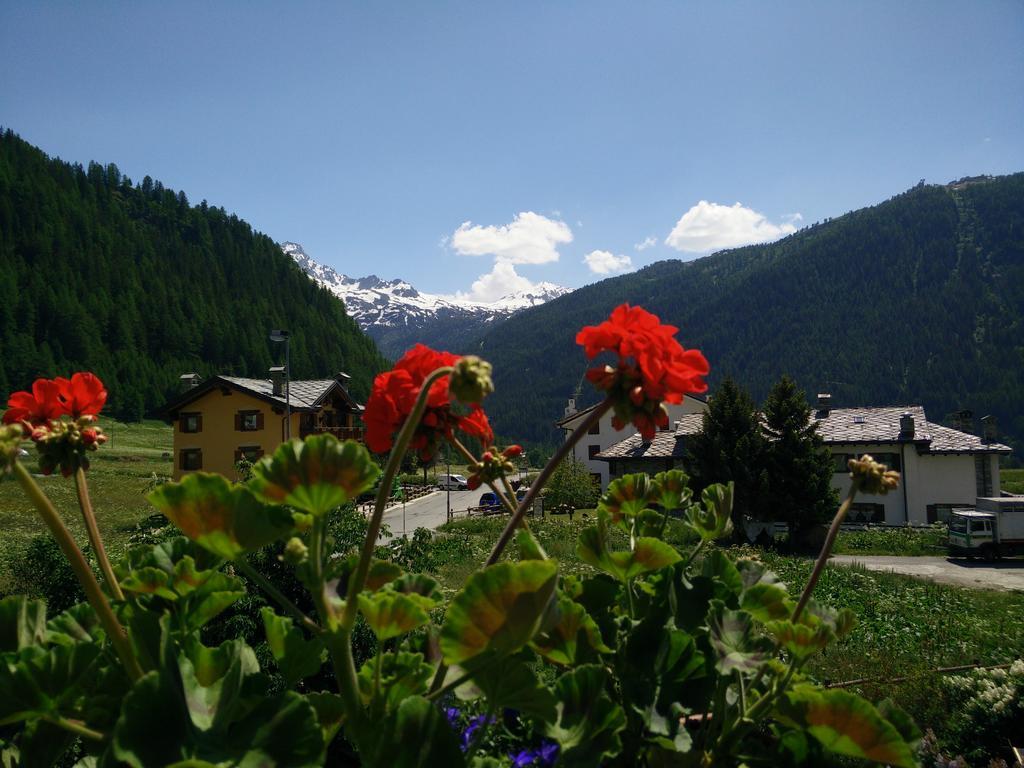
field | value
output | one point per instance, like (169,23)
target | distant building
(941,467)
(603,435)
(219,421)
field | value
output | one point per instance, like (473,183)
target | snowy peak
(384,307)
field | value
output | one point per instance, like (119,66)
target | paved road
(428,511)
(1003,575)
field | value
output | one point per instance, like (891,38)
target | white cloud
(499,282)
(606,262)
(648,242)
(530,239)
(710,226)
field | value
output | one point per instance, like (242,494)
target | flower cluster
(493,465)
(40,414)
(394,396)
(652,367)
(869,476)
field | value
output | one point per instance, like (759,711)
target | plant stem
(826,550)
(693,554)
(545,474)
(94,535)
(439,691)
(275,594)
(509,506)
(75,726)
(93,592)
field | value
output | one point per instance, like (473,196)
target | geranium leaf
(22,623)
(315,475)
(528,546)
(78,624)
(720,568)
(499,609)
(847,724)
(297,658)
(416,735)
(627,496)
(648,554)
(573,633)
(402,675)
(419,584)
(733,640)
(713,518)
(589,722)
(330,713)
(509,682)
(392,614)
(226,519)
(36,680)
(800,640)
(672,489)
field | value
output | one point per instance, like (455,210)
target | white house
(603,435)
(941,468)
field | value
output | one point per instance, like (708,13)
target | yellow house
(223,419)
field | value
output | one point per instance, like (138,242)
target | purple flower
(452,713)
(548,752)
(474,724)
(543,756)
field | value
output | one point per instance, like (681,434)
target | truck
(994,528)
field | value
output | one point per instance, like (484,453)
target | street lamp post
(279,335)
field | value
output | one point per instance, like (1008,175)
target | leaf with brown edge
(627,496)
(500,609)
(673,491)
(800,640)
(315,475)
(392,614)
(224,518)
(572,628)
(847,725)
(648,554)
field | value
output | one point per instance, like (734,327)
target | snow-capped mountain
(396,315)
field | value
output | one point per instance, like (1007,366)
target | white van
(452,482)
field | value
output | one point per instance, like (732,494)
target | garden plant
(661,656)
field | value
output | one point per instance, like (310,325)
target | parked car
(452,482)
(489,500)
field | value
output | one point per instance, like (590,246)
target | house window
(248,421)
(190,459)
(866,513)
(191,422)
(593,450)
(891,460)
(840,462)
(595,478)
(595,429)
(942,513)
(982,475)
(251,453)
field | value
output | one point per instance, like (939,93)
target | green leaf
(416,735)
(673,491)
(315,475)
(330,713)
(627,496)
(648,554)
(226,519)
(589,722)
(713,518)
(297,658)
(391,614)
(380,573)
(38,681)
(499,609)
(418,584)
(733,640)
(78,624)
(570,635)
(509,682)
(402,675)
(848,725)
(22,623)
(717,566)
(800,640)
(529,547)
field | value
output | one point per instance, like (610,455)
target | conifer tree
(796,460)
(730,447)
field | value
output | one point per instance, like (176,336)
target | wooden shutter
(259,420)
(238,422)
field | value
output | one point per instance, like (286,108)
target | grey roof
(882,425)
(665,445)
(302,394)
(689,424)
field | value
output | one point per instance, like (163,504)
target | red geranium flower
(394,395)
(83,395)
(37,407)
(652,367)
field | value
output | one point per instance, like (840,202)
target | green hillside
(917,300)
(131,281)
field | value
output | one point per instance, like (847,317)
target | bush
(42,571)
(988,712)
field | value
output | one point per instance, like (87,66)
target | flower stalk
(82,489)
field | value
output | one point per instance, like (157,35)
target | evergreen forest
(917,300)
(130,281)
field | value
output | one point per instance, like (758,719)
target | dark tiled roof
(302,394)
(689,424)
(882,425)
(665,445)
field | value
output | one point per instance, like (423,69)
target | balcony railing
(342,433)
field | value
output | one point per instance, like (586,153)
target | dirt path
(1006,575)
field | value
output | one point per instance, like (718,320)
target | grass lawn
(1012,480)
(121,473)
(905,626)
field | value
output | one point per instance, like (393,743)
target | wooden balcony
(342,433)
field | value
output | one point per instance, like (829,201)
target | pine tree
(730,447)
(799,466)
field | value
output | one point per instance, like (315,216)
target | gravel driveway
(1004,575)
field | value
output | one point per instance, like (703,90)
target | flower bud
(295,551)
(869,476)
(471,380)
(512,451)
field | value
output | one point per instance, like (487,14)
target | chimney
(343,379)
(824,404)
(277,379)
(989,429)
(188,381)
(570,409)
(964,421)
(907,426)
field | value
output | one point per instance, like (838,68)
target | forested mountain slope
(917,300)
(134,283)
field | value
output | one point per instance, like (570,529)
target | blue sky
(478,147)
